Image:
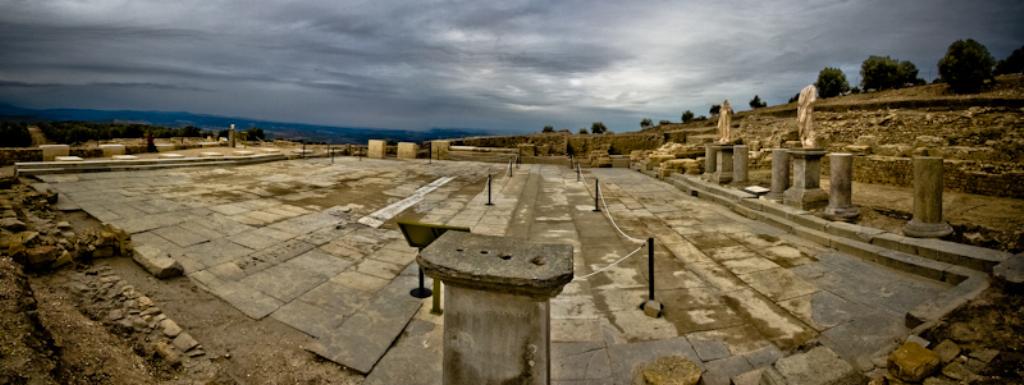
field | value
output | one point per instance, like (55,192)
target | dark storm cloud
(509,65)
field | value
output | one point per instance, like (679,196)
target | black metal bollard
(510,167)
(422,291)
(303,149)
(650,268)
(577,173)
(331,150)
(489,191)
(597,195)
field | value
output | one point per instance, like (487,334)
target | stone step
(362,339)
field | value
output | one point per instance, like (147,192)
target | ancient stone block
(407,150)
(439,149)
(51,151)
(912,362)
(670,370)
(109,150)
(818,366)
(157,262)
(376,149)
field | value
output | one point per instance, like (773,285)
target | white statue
(725,123)
(804,119)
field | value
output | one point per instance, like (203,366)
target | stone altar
(806,192)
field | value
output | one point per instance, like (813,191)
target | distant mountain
(284,130)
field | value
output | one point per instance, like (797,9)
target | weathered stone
(912,362)
(111,149)
(958,371)
(840,199)
(157,262)
(780,174)
(167,352)
(806,192)
(818,366)
(984,355)
(407,150)
(376,149)
(1010,273)
(52,151)
(671,370)
(947,350)
(927,221)
(184,342)
(170,328)
(12,224)
(723,166)
(739,168)
(41,256)
(115,315)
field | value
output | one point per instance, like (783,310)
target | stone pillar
(723,165)
(710,160)
(739,165)
(52,151)
(232,137)
(927,221)
(806,192)
(780,174)
(376,149)
(497,314)
(408,150)
(439,149)
(840,197)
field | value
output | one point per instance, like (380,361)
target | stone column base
(723,164)
(805,199)
(918,229)
(845,214)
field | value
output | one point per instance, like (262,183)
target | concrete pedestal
(806,192)
(723,166)
(710,160)
(109,150)
(408,150)
(376,149)
(739,164)
(51,151)
(232,136)
(927,221)
(439,149)
(497,311)
(780,174)
(840,197)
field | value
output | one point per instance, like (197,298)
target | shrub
(702,117)
(583,131)
(646,122)
(883,72)
(794,98)
(831,82)
(598,128)
(687,116)
(548,129)
(756,102)
(966,66)
(1013,64)
(14,134)
(714,109)
(255,133)
(855,90)
(664,122)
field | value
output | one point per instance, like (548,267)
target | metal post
(510,167)
(650,268)
(430,153)
(435,307)
(597,194)
(421,291)
(489,191)
(518,161)
(571,162)
(303,149)
(330,148)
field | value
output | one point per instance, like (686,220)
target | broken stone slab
(913,362)
(670,370)
(184,342)
(170,328)
(1010,273)
(818,366)
(157,262)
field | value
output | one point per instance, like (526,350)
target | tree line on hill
(16,134)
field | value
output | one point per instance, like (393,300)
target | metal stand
(651,307)
(331,150)
(489,191)
(510,167)
(597,195)
(422,291)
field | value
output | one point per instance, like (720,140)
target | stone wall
(557,143)
(973,177)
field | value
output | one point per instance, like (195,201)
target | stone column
(723,167)
(497,314)
(840,197)
(710,160)
(231,136)
(927,221)
(739,165)
(780,174)
(806,192)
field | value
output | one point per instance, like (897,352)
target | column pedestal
(806,192)
(780,174)
(739,164)
(497,327)
(723,164)
(710,161)
(840,197)
(927,221)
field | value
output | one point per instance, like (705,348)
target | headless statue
(725,123)
(804,119)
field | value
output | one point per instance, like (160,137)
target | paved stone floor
(284,240)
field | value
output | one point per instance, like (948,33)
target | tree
(702,117)
(883,72)
(756,102)
(548,129)
(598,128)
(714,109)
(687,116)
(583,131)
(14,135)
(794,98)
(255,133)
(966,66)
(646,122)
(1013,64)
(831,82)
(664,122)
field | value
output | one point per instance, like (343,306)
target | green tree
(598,128)
(548,129)
(687,116)
(1013,64)
(966,66)
(794,98)
(883,72)
(907,74)
(255,133)
(646,122)
(714,109)
(583,131)
(664,122)
(831,82)
(756,102)
(14,134)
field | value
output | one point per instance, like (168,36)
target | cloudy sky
(505,65)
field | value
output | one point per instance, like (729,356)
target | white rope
(608,212)
(613,264)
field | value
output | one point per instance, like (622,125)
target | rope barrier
(613,264)
(609,214)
